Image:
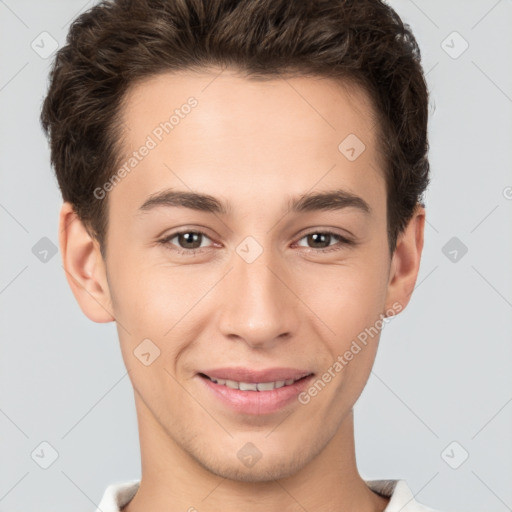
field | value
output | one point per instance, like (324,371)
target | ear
(406,259)
(84,267)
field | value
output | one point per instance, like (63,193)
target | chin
(262,473)
(268,468)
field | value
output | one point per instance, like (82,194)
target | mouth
(254,386)
(252,394)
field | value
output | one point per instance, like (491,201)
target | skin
(253,144)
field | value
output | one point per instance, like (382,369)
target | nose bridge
(257,306)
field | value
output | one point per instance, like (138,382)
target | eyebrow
(314,201)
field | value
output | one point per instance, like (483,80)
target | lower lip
(257,402)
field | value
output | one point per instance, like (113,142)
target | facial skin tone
(255,146)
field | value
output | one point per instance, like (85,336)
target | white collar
(118,494)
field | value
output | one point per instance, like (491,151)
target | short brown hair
(117,43)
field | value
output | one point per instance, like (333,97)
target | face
(263,284)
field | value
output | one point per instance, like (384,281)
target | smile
(253,386)
(255,398)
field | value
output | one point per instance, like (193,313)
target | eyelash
(342,241)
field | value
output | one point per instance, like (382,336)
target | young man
(242,187)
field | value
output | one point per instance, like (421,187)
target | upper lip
(249,375)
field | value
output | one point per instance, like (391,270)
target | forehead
(230,100)
(227,134)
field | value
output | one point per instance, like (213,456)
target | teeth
(253,386)
(232,384)
(245,386)
(265,386)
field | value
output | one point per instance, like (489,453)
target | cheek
(163,304)
(350,295)
(152,297)
(351,301)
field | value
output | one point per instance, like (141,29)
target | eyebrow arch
(328,200)
(313,201)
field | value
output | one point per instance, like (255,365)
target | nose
(258,305)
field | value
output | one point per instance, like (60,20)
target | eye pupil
(322,237)
(190,238)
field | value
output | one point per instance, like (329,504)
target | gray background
(442,374)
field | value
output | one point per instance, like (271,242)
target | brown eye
(187,242)
(319,240)
(322,241)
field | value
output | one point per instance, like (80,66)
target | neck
(174,481)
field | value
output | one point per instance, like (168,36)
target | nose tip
(256,306)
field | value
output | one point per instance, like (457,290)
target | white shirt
(118,494)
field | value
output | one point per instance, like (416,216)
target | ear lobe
(406,260)
(84,267)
